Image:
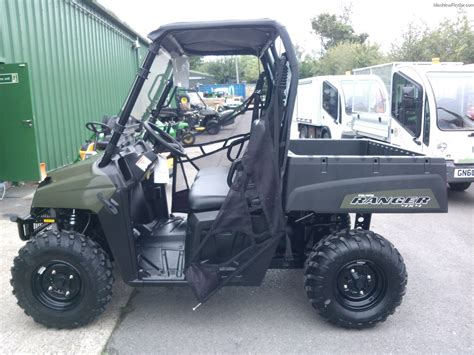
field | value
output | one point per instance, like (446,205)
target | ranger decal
(391,199)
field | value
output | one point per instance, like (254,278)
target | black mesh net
(254,192)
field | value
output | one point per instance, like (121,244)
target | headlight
(442,147)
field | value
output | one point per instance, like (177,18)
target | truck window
(331,100)
(426,125)
(407,103)
(454,97)
(363,96)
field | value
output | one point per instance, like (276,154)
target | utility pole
(237,69)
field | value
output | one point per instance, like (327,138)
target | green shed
(62,63)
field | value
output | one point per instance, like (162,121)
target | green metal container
(67,62)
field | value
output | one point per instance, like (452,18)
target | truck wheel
(325,134)
(459,186)
(213,127)
(355,278)
(62,279)
(188,138)
(303,132)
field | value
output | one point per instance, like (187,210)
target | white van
(431,111)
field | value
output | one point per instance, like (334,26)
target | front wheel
(459,186)
(355,278)
(188,138)
(62,279)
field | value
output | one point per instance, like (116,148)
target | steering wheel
(97,127)
(161,137)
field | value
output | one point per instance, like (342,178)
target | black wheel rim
(361,284)
(57,285)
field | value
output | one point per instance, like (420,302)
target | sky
(383,20)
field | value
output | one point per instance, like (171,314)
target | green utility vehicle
(258,200)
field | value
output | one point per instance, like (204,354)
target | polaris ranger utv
(275,203)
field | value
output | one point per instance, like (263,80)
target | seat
(209,189)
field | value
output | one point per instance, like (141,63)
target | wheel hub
(360,284)
(57,285)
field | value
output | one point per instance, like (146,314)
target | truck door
(366,101)
(407,112)
(331,115)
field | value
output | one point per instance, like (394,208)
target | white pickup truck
(430,111)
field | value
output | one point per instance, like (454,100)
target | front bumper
(31,224)
(459,172)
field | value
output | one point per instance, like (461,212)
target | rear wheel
(213,127)
(355,278)
(303,132)
(62,279)
(325,134)
(459,186)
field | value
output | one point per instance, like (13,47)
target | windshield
(363,96)
(454,96)
(194,98)
(160,72)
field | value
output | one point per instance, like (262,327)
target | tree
(334,30)
(248,68)
(347,56)
(451,40)
(195,63)
(223,68)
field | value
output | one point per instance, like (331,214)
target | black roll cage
(266,52)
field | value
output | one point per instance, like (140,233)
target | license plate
(463,173)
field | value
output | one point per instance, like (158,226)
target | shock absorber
(72,220)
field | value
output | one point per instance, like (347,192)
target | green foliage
(347,56)
(249,68)
(223,68)
(451,40)
(195,63)
(334,30)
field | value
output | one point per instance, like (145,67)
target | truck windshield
(454,96)
(160,72)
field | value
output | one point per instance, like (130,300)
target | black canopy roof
(228,37)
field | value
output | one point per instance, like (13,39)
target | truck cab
(325,104)
(431,112)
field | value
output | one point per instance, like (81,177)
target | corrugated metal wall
(81,66)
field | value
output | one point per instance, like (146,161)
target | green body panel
(18,153)
(81,62)
(75,186)
(182,125)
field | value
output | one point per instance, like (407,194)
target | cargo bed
(362,176)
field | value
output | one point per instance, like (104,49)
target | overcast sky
(383,20)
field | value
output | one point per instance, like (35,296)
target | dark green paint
(75,186)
